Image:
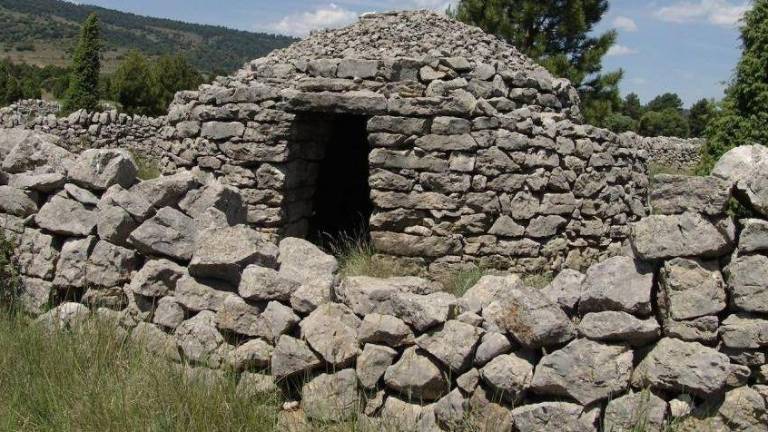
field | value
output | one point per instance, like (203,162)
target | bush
(10,280)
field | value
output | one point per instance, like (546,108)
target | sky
(685,46)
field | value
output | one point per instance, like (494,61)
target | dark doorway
(342,203)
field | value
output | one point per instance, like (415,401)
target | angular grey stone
(422,312)
(292,356)
(451,411)
(252,355)
(372,363)
(98,169)
(687,234)
(252,385)
(110,265)
(675,194)
(366,295)
(357,68)
(168,313)
(223,253)
(111,297)
(81,195)
(584,370)
(703,329)
(453,345)
(487,414)
(114,224)
(64,316)
(754,236)
(416,377)
(221,197)
(222,130)
(545,226)
(744,409)
(157,278)
(488,290)
(505,226)
(551,416)
(331,397)
(491,345)
(235,315)
(35,296)
(305,264)
(200,341)
(278,320)
(691,288)
(36,255)
(508,375)
(565,288)
(155,341)
(748,283)
(634,410)
(688,367)
(73,262)
(16,202)
(530,318)
(385,329)
(744,332)
(264,284)
(135,204)
(469,381)
(165,191)
(740,162)
(33,151)
(618,283)
(78,222)
(406,417)
(169,233)
(200,294)
(331,330)
(755,188)
(614,326)
(47,182)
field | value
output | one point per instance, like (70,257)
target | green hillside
(43,32)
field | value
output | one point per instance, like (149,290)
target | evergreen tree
(666,101)
(13,91)
(632,107)
(83,92)
(669,122)
(559,35)
(743,115)
(171,74)
(132,85)
(699,116)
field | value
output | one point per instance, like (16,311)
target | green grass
(149,168)
(357,257)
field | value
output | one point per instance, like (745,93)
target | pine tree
(559,35)
(83,91)
(171,74)
(699,116)
(632,107)
(132,85)
(742,117)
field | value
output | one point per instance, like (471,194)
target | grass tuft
(10,280)
(357,257)
(149,168)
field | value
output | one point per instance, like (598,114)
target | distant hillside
(43,32)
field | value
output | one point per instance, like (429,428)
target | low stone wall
(671,154)
(677,331)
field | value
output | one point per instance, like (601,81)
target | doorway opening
(342,203)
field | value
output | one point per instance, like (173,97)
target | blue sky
(686,46)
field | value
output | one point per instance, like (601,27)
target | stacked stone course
(674,331)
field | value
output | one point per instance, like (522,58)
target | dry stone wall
(674,154)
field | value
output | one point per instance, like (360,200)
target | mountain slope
(44,31)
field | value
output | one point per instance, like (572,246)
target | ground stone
(331,397)
(614,326)
(372,363)
(98,169)
(416,377)
(687,234)
(292,356)
(691,288)
(628,412)
(223,253)
(331,330)
(618,283)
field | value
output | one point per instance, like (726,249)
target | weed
(149,168)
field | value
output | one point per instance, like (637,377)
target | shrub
(149,167)
(10,281)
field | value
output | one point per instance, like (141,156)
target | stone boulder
(201,294)
(291,357)
(200,341)
(98,169)
(16,202)
(620,284)
(36,254)
(417,377)
(366,295)
(64,316)
(331,330)
(114,224)
(744,410)
(223,253)
(627,413)
(453,345)
(565,288)
(79,221)
(744,332)
(385,329)
(72,266)
(35,152)
(508,375)
(748,283)
(675,365)
(156,341)
(675,194)
(585,370)
(169,233)
(110,265)
(488,290)
(313,270)
(165,191)
(227,199)
(691,288)
(614,326)
(688,234)
(157,278)
(331,397)
(252,355)
(372,363)
(422,312)
(265,284)
(46,182)
(754,236)
(551,416)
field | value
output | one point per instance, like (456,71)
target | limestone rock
(36,254)
(372,363)
(585,370)
(628,412)
(683,366)
(491,345)
(744,409)
(110,265)
(687,234)
(200,341)
(169,233)
(703,329)
(223,253)
(509,375)
(740,162)
(551,416)
(37,152)
(252,355)
(675,194)
(79,221)
(754,236)
(453,345)
(691,288)
(613,326)
(200,294)
(157,278)
(65,316)
(486,413)
(81,195)
(565,288)
(73,262)
(35,296)
(114,224)
(331,397)
(416,377)
(406,417)
(224,198)
(156,341)
(618,283)
(366,295)
(252,385)
(487,290)
(744,332)
(165,191)
(451,411)
(168,313)
(422,312)
(305,264)
(16,202)
(46,182)
(331,330)
(98,169)
(748,283)
(277,319)
(531,318)
(385,329)
(265,284)
(292,356)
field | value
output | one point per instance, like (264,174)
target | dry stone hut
(443,142)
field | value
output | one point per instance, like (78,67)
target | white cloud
(625,24)
(325,17)
(620,50)
(717,12)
